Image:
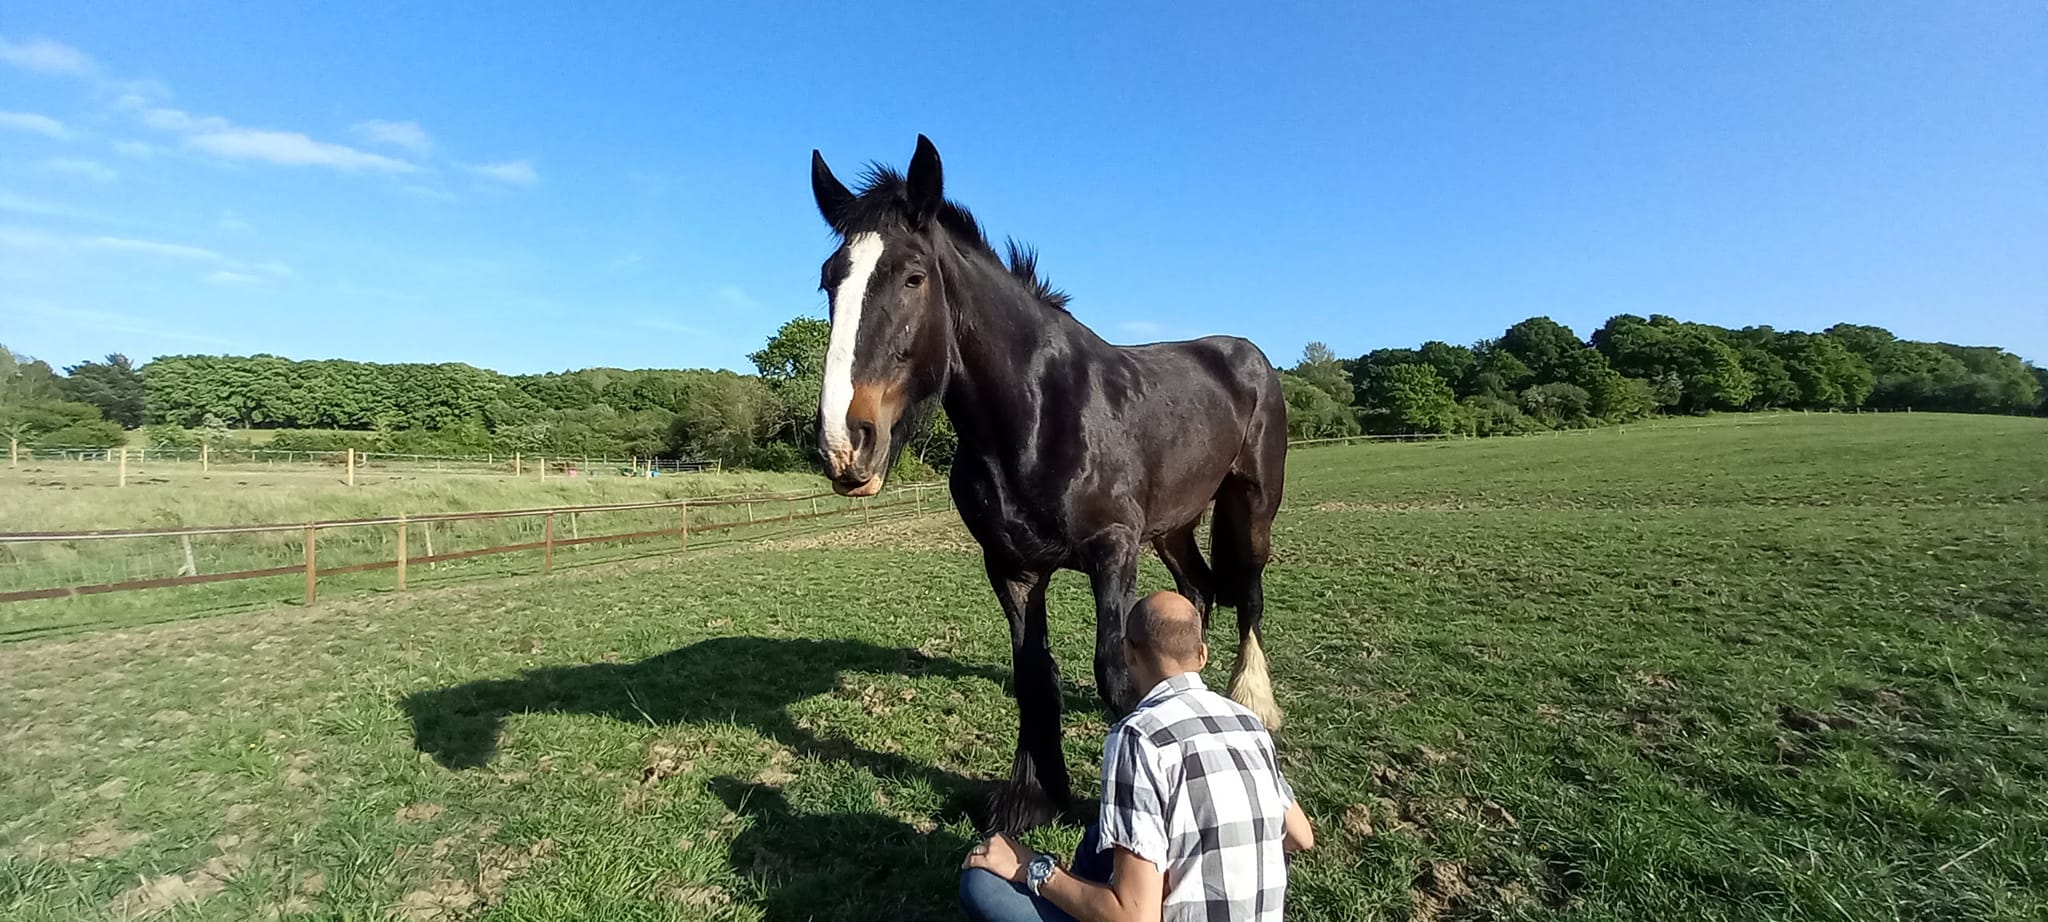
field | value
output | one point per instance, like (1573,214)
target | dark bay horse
(1074,453)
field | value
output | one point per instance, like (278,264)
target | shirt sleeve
(1133,810)
(1279,777)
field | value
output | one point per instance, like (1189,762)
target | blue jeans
(988,898)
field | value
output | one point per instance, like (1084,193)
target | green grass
(1789,670)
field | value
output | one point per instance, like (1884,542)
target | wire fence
(234,457)
(53,580)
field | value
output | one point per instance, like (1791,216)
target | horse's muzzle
(850,484)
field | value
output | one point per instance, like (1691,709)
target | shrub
(97,433)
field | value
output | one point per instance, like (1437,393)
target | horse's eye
(916,280)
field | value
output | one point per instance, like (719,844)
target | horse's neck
(993,388)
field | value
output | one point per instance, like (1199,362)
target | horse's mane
(882,197)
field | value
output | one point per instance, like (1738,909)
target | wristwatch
(1038,872)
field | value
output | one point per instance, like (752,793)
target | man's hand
(1001,855)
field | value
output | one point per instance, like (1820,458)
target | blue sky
(568,185)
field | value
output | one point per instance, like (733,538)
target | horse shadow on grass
(809,865)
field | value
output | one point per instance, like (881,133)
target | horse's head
(890,327)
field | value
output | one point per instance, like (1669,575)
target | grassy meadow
(1787,668)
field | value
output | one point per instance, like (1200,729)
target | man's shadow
(853,866)
(750,681)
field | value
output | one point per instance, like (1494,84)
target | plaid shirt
(1190,783)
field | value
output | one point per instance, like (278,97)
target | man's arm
(1136,892)
(1296,834)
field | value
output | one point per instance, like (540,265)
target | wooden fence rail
(908,498)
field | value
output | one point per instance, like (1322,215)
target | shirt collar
(1171,686)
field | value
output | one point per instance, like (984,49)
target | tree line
(1537,375)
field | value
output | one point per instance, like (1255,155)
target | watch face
(1041,871)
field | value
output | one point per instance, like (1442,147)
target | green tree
(1312,413)
(1320,367)
(1557,404)
(793,365)
(114,386)
(1544,345)
(1707,370)
(1456,365)
(1410,398)
(1620,399)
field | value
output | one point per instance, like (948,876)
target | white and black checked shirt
(1190,783)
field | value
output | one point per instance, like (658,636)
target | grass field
(1779,670)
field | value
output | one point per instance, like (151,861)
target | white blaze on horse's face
(863,252)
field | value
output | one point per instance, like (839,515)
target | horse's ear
(831,194)
(927,183)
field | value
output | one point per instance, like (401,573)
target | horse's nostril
(862,434)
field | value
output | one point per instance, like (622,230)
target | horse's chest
(1007,525)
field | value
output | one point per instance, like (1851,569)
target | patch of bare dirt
(159,895)
(496,865)
(417,813)
(437,902)
(1441,889)
(705,897)
(103,839)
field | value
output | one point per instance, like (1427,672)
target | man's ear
(1202,657)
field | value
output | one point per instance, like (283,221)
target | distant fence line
(714,515)
(518,463)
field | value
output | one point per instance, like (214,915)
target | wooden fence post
(205,462)
(427,532)
(13,451)
(402,529)
(543,467)
(683,510)
(867,515)
(548,564)
(351,467)
(124,467)
(518,468)
(312,571)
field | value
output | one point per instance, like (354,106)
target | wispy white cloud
(140,150)
(21,204)
(83,169)
(27,238)
(43,56)
(514,172)
(406,135)
(34,124)
(222,138)
(291,148)
(152,248)
(628,258)
(164,118)
(227,279)
(230,221)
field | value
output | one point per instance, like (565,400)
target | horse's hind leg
(1241,543)
(1191,575)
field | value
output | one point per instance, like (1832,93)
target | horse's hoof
(1018,808)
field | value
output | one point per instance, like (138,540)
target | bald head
(1165,626)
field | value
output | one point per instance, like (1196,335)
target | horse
(1073,453)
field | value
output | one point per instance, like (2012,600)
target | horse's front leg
(1038,789)
(1113,574)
